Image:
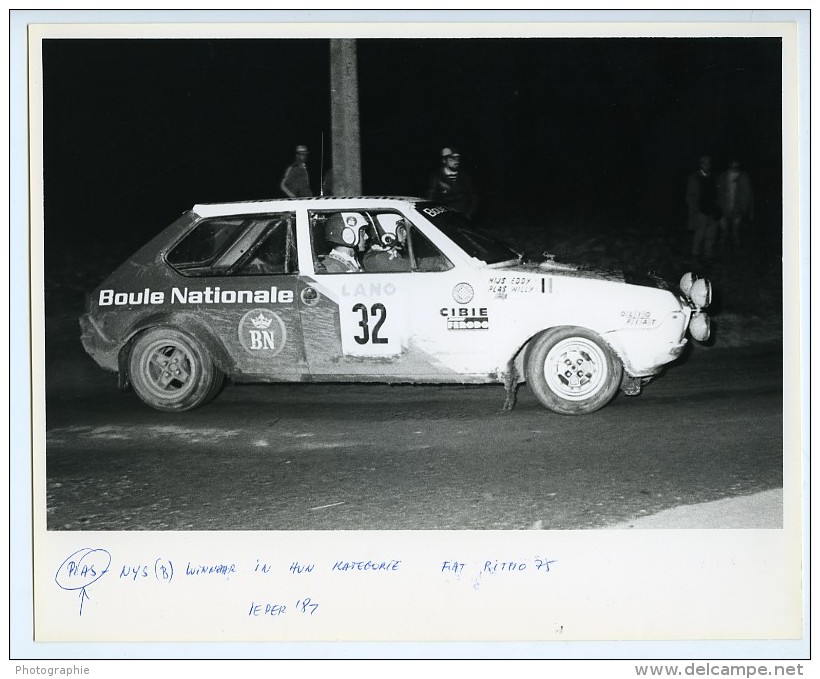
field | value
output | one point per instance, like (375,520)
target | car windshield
(459,230)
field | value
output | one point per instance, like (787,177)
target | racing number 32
(377,310)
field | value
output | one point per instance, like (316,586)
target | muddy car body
(244,291)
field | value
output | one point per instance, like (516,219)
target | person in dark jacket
(704,209)
(452,186)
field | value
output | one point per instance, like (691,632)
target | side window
(238,246)
(361,241)
(426,256)
(274,252)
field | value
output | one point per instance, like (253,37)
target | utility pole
(344,118)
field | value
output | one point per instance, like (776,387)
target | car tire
(572,371)
(171,371)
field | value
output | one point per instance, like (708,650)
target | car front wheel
(171,371)
(572,371)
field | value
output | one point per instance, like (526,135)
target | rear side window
(245,245)
(201,247)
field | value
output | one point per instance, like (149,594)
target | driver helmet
(344,228)
(392,230)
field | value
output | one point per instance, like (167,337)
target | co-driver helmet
(392,229)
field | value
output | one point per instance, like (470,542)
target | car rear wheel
(171,371)
(572,371)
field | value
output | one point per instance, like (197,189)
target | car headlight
(700,327)
(701,293)
(686,281)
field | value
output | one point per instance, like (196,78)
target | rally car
(375,290)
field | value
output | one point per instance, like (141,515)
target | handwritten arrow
(83,596)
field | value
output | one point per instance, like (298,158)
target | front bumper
(645,351)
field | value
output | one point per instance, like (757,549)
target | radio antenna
(322,167)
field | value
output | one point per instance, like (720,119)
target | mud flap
(123,378)
(510,387)
(631,386)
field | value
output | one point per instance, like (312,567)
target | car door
(354,323)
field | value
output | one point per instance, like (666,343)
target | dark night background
(591,137)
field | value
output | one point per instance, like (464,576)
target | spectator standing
(737,204)
(452,186)
(704,209)
(296,183)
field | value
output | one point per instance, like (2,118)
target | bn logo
(262,339)
(262,330)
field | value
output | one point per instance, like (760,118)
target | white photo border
(25,394)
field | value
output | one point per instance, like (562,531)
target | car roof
(317,202)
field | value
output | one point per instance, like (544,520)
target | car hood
(554,268)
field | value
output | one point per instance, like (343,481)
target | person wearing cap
(737,203)
(296,183)
(452,186)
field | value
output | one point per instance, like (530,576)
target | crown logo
(261,321)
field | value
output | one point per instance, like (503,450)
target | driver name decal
(502,286)
(207,295)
